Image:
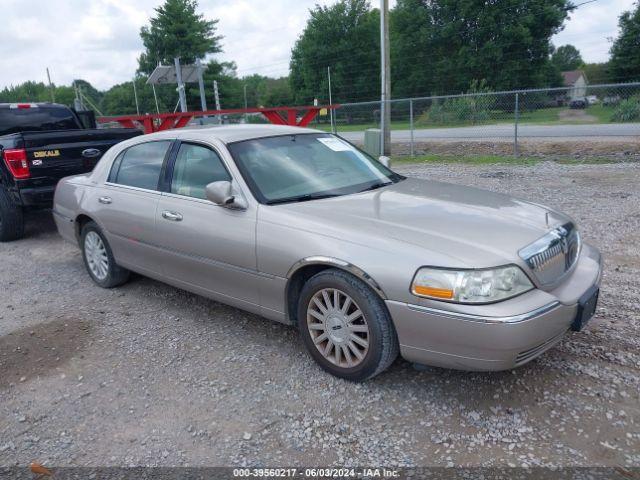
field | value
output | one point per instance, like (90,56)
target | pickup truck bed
(35,160)
(52,155)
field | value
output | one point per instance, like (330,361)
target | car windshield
(303,167)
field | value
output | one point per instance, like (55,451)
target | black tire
(115,274)
(11,218)
(383,342)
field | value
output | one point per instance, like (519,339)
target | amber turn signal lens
(433,292)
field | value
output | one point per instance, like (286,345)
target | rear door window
(140,166)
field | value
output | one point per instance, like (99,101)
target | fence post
(411,123)
(515,138)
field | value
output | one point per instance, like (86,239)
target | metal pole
(51,89)
(181,95)
(411,123)
(203,98)
(155,98)
(246,119)
(385,76)
(135,95)
(76,101)
(333,124)
(515,138)
(216,96)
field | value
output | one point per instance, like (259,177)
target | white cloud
(591,27)
(99,41)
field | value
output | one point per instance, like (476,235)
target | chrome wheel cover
(338,327)
(96,254)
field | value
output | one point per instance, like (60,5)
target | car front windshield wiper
(375,186)
(302,198)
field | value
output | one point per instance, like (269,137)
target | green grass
(542,116)
(602,113)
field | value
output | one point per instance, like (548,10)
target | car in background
(301,227)
(592,100)
(577,103)
(39,144)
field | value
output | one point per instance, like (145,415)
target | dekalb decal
(46,153)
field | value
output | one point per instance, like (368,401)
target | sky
(98,40)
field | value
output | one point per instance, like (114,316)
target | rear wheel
(346,326)
(11,218)
(98,258)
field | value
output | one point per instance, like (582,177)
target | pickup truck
(40,143)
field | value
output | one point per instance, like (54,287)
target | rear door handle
(173,216)
(105,200)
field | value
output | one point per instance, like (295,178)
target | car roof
(230,133)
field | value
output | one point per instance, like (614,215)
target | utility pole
(333,123)
(385,76)
(246,117)
(216,96)
(203,98)
(155,98)
(135,96)
(51,90)
(181,95)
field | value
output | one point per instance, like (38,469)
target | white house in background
(577,81)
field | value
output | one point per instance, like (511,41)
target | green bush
(627,110)
(474,109)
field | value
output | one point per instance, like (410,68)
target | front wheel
(98,258)
(345,326)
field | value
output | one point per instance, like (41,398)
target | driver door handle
(105,200)
(173,216)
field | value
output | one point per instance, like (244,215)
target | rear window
(34,119)
(140,166)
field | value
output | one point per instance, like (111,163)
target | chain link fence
(508,120)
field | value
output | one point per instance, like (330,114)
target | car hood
(472,227)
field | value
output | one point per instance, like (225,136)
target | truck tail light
(22,106)
(17,163)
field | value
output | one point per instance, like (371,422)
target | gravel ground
(150,375)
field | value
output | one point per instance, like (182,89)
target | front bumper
(494,337)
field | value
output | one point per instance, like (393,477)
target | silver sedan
(301,227)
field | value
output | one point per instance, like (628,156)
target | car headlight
(470,286)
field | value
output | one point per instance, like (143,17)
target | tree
(177,31)
(39,92)
(345,37)
(598,73)
(566,57)
(275,92)
(120,99)
(441,47)
(625,51)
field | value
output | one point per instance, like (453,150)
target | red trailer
(165,121)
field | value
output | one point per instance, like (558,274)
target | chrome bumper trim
(523,317)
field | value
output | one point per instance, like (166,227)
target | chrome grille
(553,255)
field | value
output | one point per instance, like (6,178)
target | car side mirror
(221,193)
(386,161)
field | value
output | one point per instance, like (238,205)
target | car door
(208,248)
(127,204)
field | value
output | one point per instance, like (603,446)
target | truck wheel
(11,219)
(98,258)
(346,326)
